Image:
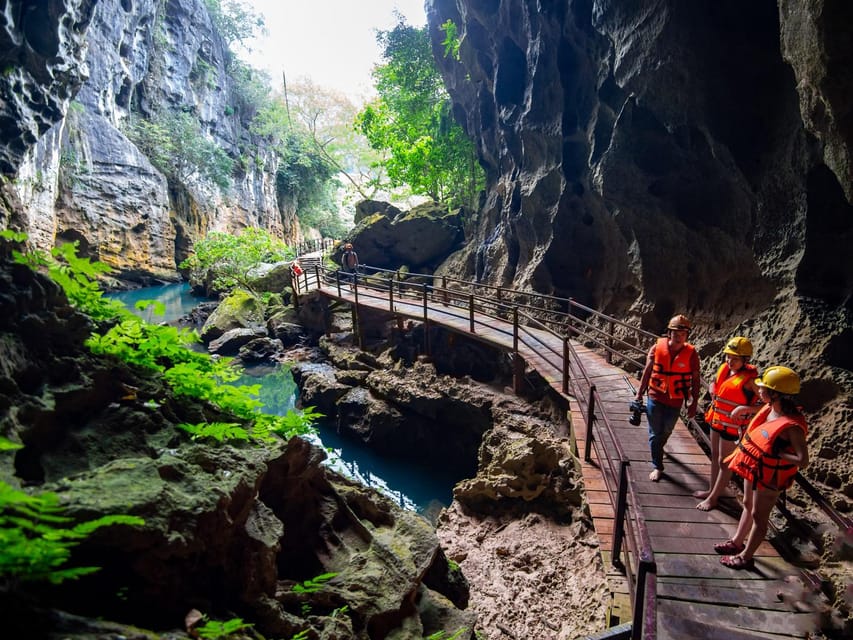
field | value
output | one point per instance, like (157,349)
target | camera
(637,408)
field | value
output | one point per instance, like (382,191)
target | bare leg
(762,506)
(744,525)
(715,466)
(724,474)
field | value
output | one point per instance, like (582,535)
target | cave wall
(77,174)
(648,157)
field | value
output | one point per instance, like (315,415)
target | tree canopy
(412,120)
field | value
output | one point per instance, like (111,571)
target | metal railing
(530,322)
(530,314)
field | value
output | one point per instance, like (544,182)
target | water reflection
(420,488)
(177,298)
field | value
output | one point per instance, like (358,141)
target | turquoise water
(413,486)
(177,298)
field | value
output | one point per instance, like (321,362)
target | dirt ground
(529,577)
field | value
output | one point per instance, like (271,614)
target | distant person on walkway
(295,272)
(349,260)
(671,377)
(734,400)
(767,457)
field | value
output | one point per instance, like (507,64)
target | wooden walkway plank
(697,597)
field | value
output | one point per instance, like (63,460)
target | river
(414,486)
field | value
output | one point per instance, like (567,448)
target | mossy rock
(239,310)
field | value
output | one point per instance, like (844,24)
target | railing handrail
(644,595)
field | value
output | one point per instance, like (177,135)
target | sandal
(729,548)
(737,562)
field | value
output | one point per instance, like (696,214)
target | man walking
(671,377)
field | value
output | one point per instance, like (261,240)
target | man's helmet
(781,380)
(739,346)
(679,323)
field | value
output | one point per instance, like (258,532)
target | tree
(174,143)
(412,120)
(231,258)
(306,175)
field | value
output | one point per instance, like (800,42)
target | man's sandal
(729,548)
(737,562)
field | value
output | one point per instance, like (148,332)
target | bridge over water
(666,580)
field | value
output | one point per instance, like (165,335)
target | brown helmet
(679,323)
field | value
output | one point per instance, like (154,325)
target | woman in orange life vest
(734,394)
(767,457)
(671,377)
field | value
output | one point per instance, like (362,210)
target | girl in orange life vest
(672,378)
(767,457)
(734,393)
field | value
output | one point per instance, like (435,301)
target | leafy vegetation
(235,21)
(34,541)
(174,143)
(230,259)
(164,350)
(313,585)
(215,629)
(412,120)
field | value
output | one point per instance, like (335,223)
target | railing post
(426,321)
(355,286)
(565,366)
(517,362)
(471,311)
(590,419)
(391,295)
(338,281)
(643,618)
(444,288)
(426,302)
(619,516)
(515,329)
(569,318)
(610,344)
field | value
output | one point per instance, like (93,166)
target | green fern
(313,585)
(214,629)
(8,445)
(219,431)
(34,544)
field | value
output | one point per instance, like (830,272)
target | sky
(332,42)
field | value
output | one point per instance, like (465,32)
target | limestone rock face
(81,178)
(42,50)
(658,157)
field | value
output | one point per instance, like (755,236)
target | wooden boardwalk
(696,596)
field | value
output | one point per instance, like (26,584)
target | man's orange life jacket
(672,377)
(757,459)
(729,393)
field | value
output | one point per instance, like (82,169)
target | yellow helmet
(679,323)
(739,346)
(780,379)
